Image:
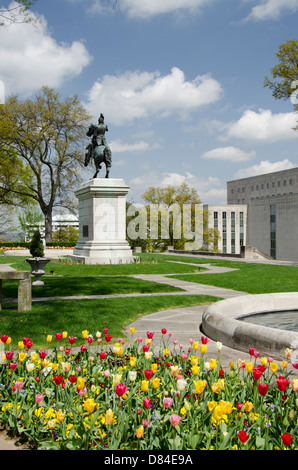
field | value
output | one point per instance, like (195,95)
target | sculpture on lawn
(98,148)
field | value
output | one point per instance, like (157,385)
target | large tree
(42,141)
(284,79)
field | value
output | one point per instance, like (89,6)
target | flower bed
(106,395)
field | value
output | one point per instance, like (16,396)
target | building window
(273,231)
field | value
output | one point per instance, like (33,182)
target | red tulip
(42,354)
(58,336)
(257,373)
(4,338)
(243,436)
(9,355)
(287,439)
(120,389)
(263,389)
(105,330)
(58,379)
(163,331)
(204,340)
(102,354)
(282,383)
(108,338)
(148,373)
(147,402)
(72,339)
(150,334)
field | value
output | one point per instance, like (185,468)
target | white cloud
(135,95)
(272,9)
(30,58)
(264,167)
(148,9)
(117,146)
(232,154)
(264,126)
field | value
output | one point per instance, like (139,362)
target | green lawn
(74,316)
(252,278)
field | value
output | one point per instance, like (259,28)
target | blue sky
(180,83)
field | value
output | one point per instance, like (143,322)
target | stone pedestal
(102,222)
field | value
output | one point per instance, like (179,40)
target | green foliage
(285,72)
(36,246)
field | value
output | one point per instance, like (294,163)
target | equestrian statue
(98,148)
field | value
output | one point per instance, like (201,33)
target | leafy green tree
(284,80)
(67,234)
(172,215)
(42,141)
(29,221)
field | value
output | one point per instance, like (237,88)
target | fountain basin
(220,322)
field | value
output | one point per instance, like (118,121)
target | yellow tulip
(284,364)
(200,386)
(212,363)
(195,370)
(89,405)
(248,366)
(8,341)
(22,356)
(132,361)
(154,367)
(155,382)
(64,334)
(194,360)
(60,416)
(217,386)
(132,330)
(85,333)
(218,413)
(80,383)
(144,385)
(34,357)
(264,361)
(211,405)
(140,432)
(49,338)
(109,416)
(166,351)
(195,345)
(248,406)
(203,348)
(273,367)
(21,345)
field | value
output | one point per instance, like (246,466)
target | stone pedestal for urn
(102,222)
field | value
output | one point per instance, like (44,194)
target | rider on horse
(97,132)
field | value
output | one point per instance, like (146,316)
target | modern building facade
(231,222)
(272,211)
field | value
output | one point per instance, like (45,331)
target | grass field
(69,279)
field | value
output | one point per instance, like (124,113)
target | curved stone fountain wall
(220,322)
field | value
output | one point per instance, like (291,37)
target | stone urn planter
(38,269)
(38,261)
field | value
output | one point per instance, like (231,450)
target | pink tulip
(39,397)
(167,402)
(175,419)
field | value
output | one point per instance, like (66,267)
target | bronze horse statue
(98,149)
